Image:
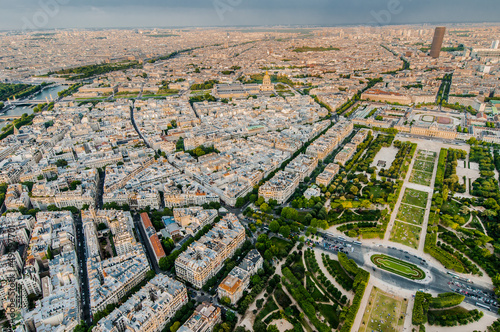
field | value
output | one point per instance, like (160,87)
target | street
(82,262)
(441,280)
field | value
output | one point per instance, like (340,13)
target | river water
(20,110)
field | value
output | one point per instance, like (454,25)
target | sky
(49,14)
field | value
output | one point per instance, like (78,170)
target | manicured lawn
(404,269)
(450,207)
(406,234)
(420,177)
(411,214)
(376,191)
(424,166)
(415,197)
(330,313)
(280,243)
(384,312)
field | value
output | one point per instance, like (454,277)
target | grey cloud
(164,13)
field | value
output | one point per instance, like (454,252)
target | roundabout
(399,267)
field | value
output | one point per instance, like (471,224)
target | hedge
(360,282)
(420,308)
(446,300)
(441,167)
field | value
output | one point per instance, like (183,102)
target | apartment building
(204,319)
(328,174)
(152,237)
(303,165)
(205,257)
(280,187)
(149,309)
(238,279)
(346,154)
(16,197)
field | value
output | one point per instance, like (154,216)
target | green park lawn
(420,177)
(451,207)
(411,214)
(376,191)
(426,155)
(404,269)
(280,243)
(384,312)
(423,166)
(406,234)
(415,197)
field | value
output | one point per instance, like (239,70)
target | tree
(265,207)
(272,328)
(274,226)
(175,326)
(445,193)
(61,163)
(50,255)
(354,190)
(240,201)
(230,316)
(260,201)
(284,231)
(82,327)
(225,300)
(365,204)
(164,264)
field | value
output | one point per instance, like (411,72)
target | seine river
(20,110)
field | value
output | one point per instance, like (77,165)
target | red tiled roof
(145,220)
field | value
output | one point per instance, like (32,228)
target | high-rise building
(494,44)
(437,42)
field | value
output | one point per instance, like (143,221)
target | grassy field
(376,191)
(451,207)
(415,197)
(280,243)
(404,269)
(420,177)
(406,234)
(426,155)
(411,214)
(384,313)
(424,166)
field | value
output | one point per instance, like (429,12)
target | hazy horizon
(61,14)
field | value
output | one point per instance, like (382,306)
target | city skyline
(257,178)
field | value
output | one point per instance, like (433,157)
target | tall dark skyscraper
(437,42)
